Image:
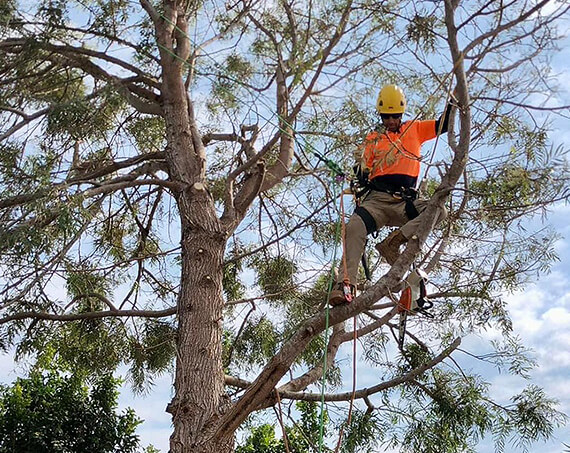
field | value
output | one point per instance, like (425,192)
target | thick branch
(363,393)
(262,387)
(313,375)
(79,57)
(280,168)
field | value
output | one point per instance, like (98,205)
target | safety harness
(363,187)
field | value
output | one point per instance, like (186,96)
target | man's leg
(372,214)
(354,242)
(389,248)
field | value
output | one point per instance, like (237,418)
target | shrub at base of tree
(49,412)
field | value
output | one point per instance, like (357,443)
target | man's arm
(442,122)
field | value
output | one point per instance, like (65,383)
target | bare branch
(90,178)
(90,315)
(363,393)
(27,120)
(506,26)
(359,394)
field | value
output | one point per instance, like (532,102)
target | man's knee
(355,227)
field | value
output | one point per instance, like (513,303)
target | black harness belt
(411,210)
(406,194)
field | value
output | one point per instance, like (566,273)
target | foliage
(275,276)
(364,433)
(54,412)
(257,343)
(302,437)
(261,440)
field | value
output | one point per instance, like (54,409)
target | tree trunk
(199,382)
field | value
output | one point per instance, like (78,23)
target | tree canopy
(166,203)
(51,412)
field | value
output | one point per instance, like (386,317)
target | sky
(540,314)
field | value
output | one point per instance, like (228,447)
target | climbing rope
(281,422)
(353,395)
(338,232)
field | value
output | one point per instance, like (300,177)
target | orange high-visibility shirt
(397,153)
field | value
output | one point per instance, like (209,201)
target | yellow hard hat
(391,99)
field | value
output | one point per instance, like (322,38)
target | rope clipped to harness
(332,165)
(348,289)
(413,300)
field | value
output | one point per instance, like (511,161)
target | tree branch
(90,315)
(359,394)
(89,178)
(366,392)
(506,26)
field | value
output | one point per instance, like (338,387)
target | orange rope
(346,277)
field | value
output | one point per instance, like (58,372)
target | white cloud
(557,316)
(505,386)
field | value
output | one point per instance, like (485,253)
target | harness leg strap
(411,210)
(365,265)
(367,218)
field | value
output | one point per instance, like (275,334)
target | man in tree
(388,170)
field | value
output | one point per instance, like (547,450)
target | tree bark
(199,380)
(199,383)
